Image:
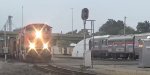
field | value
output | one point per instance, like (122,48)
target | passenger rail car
(121,46)
(34,42)
(117,46)
(99,46)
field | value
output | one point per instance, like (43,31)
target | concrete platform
(17,68)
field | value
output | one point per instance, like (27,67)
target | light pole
(72,20)
(22,16)
(5,48)
(21,30)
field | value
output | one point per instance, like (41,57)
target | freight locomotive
(117,46)
(34,43)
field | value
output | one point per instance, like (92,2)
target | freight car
(34,43)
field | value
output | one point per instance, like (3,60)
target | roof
(101,37)
(38,24)
(120,37)
(143,34)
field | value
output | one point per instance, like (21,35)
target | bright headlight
(38,34)
(32,46)
(140,46)
(45,46)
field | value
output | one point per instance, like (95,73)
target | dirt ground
(105,66)
(18,68)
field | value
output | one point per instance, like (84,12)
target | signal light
(141,46)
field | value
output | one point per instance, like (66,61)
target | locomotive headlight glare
(45,46)
(148,37)
(38,34)
(140,46)
(32,46)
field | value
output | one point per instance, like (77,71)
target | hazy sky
(57,13)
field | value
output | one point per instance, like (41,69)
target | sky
(58,13)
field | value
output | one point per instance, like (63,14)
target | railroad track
(55,70)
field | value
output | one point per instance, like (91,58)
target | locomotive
(117,46)
(34,43)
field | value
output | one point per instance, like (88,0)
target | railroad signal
(85,14)
(86,54)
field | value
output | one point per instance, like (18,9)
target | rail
(60,71)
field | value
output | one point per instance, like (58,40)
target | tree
(128,30)
(74,32)
(81,32)
(98,33)
(111,27)
(143,27)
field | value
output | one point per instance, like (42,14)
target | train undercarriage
(112,55)
(34,57)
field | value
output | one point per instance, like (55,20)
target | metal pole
(21,33)
(93,33)
(125,25)
(84,40)
(125,32)
(10,23)
(22,16)
(5,42)
(91,28)
(93,40)
(72,20)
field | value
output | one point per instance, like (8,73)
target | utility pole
(72,20)
(125,25)
(21,30)
(125,33)
(22,16)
